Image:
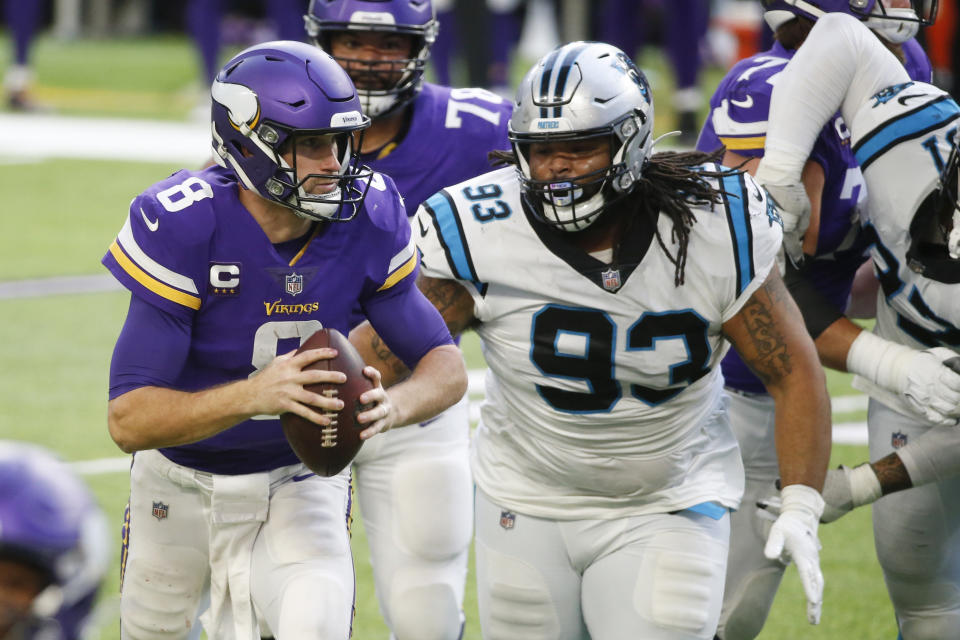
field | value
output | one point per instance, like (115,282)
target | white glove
(794,537)
(794,204)
(933,388)
(930,387)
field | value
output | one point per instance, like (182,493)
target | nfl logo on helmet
(293,284)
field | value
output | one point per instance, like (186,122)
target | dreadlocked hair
(670,183)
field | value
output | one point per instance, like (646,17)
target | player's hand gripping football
(279,387)
(382,416)
(793,537)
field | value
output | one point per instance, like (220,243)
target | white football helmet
(578,91)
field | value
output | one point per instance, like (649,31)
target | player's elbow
(458,375)
(119,423)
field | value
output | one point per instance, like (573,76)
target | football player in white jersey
(606,283)
(903,137)
(835,249)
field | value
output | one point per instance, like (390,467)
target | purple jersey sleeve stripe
(402,272)
(740,144)
(151,283)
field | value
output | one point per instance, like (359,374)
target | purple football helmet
(415,18)
(270,96)
(894,24)
(50,522)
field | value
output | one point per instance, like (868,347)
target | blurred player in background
(619,23)
(835,250)
(204,24)
(54,547)
(413,485)
(604,460)
(231,269)
(903,135)
(23,19)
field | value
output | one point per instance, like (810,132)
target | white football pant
(657,577)
(752,579)
(282,545)
(415,495)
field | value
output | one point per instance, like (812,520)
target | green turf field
(58,217)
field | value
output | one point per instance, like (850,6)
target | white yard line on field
(42,136)
(60,285)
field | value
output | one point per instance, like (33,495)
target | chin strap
(666,135)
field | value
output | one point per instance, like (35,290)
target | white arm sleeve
(840,65)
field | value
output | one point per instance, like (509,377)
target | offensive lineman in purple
(426,137)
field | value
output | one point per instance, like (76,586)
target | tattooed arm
(450,298)
(769,335)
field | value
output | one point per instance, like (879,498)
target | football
(327,450)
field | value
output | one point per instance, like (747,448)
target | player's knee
(687,595)
(159,600)
(746,607)
(433,506)
(426,612)
(311,607)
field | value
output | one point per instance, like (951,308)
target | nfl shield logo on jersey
(898,440)
(611,279)
(160,510)
(507,519)
(293,283)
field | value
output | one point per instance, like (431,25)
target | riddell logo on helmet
(372,17)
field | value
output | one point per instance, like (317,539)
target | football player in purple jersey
(231,269)
(834,251)
(22,20)
(413,485)
(54,550)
